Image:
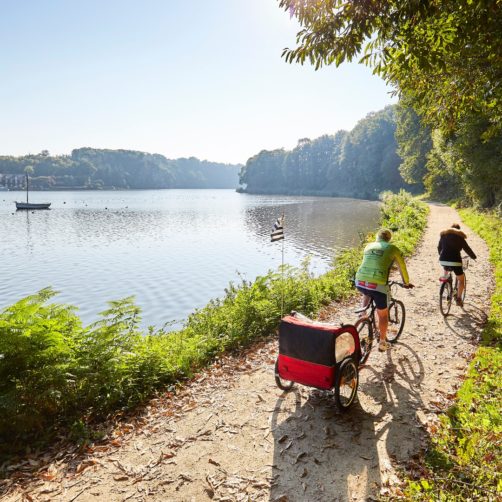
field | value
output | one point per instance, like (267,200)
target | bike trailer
(310,352)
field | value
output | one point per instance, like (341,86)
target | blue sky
(176,77)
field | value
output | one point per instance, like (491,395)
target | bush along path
(231,434)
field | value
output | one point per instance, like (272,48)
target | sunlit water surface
(174,250)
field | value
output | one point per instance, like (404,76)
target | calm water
(173,249)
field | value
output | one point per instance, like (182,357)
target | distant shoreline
(112,189)
(314,193)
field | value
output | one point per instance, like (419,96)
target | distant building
(12,181)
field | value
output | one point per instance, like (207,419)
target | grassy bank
(54,372)
(465,458)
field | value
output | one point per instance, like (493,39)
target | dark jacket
(451,243)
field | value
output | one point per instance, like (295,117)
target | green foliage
(489,227)
(37,354)
(459,166)
(406,216)
(360,163)
(444,54)
(414,143)
(97,169)
(443,180)
(54,372)
(464,167)
(465,458)
(443,57)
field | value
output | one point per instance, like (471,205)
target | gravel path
(233,435)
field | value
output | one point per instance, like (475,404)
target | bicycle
(448,290)
(367,326)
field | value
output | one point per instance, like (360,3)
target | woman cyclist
(451,242)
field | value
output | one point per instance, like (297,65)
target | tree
(444,55)
(414,143)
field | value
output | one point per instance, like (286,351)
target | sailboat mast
(26,188)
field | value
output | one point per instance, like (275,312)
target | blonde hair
(384,234)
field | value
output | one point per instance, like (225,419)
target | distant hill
(90,168)
(360,163)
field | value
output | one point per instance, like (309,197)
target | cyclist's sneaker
(459,302)
(383,346)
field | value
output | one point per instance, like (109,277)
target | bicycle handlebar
(392,283)
(401,284)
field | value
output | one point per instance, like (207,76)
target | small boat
(31,205)
(3,189)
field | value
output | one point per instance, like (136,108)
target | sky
(177,77)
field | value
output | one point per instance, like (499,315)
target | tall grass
(54,371)
(464,462)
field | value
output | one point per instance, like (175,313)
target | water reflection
(318,226)
(173,249)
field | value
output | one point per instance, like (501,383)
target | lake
(174,250)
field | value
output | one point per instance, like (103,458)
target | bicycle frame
(372,307)
(397,316)
(453,287)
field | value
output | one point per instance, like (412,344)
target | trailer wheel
(346,383)
(281,382)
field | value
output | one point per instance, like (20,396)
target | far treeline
(89,168)
(361,163)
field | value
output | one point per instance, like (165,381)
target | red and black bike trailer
(318,355)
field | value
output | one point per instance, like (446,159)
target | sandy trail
(233,435)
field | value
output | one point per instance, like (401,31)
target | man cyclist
(451,243)
(372,278)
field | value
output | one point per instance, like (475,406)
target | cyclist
(372,278)
(451,243)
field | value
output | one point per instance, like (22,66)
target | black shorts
(378,297)
(455,270)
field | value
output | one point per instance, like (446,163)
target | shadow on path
(466,323)
(321,454)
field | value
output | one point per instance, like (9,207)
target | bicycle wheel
(445,295)
(465,288)
(280,382)
(365,331)
(346,382)
(397,316)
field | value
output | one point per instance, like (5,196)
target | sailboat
(31,205)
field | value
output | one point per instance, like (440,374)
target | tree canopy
(443,54)
(443,58)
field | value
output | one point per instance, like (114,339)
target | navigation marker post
(278,235)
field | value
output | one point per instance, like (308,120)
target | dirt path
(233,435)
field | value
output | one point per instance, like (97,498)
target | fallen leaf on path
(50,474)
